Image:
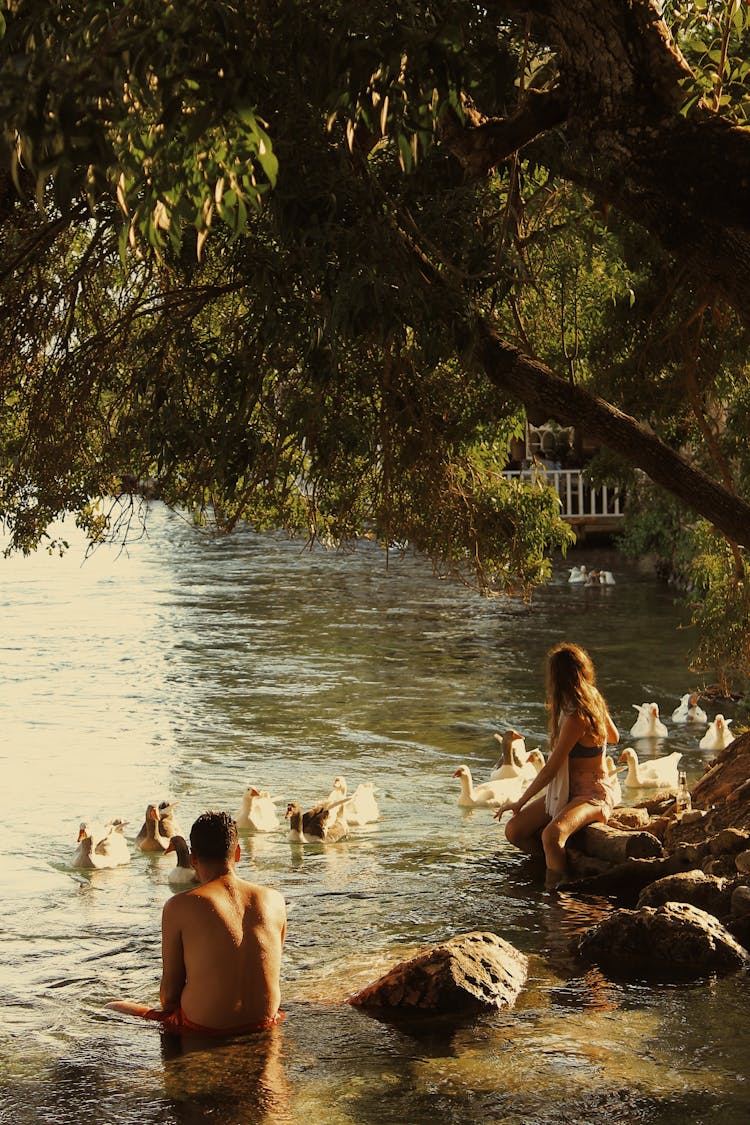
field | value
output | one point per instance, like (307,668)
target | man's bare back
(221,944)
(221,952)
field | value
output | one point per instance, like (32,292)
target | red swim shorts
(178,1023)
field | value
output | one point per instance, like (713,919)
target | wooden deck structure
(587,507)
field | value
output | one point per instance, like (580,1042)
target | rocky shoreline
(679,883)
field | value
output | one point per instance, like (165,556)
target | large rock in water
(676,941)
(465,974)
(708,892)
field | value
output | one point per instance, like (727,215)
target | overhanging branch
(540,389)
(485,143)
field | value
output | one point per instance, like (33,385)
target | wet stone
(468,973)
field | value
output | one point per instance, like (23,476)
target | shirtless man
(221,944)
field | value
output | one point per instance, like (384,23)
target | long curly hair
(571,686)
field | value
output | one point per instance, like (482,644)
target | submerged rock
(676,941)
(468,973)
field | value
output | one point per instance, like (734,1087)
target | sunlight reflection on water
(189,667)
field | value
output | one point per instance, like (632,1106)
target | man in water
(221,944)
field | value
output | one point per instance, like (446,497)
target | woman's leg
(524,829)
(576,814)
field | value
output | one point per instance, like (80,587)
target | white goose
(88,853)
(606,578)
(657,773)
(688,710)
(648,724)
(113,843)
(718,736)
(490,794)
(183,874)
(357,809)
(258,812)
(578,573)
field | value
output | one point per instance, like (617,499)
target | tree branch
(488,141)
(538,388)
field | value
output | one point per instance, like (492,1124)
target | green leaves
(148,108)
(714,37)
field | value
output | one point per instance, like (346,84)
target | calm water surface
(189,667)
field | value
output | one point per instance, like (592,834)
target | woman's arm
(613,734)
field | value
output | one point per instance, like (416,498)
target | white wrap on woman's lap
(556,797)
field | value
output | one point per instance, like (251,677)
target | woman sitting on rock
(579,789)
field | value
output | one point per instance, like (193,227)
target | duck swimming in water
(718,736)
(258,812)
(183,874)
(490,794)
(688,710)
(150,838)
(652,774)
(355,809)
(514,756)
(95,847)
(317,826)
(648,724)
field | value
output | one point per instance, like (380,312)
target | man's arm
(173,975)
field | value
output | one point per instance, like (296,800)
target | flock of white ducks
(649,724)
(105,845)
(517,767)
(582,576)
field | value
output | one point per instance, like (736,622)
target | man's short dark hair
(213,836)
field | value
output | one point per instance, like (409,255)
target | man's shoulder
(259,893)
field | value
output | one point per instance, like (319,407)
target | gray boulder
(465,974)
(709,892)
(676,941)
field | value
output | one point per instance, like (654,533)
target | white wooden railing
(579,498)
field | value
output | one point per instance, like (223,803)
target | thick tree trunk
(540,390)
(617,102)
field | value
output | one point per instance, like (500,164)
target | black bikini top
(581,751)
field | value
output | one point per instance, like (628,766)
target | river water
(189,667)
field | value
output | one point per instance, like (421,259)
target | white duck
(578,573)
(88,853)
(657,773)
(490,794)
(113,843)
(535,759)
(183,874)
(314,827)
(606,578)
(718,736)
(648,724)
(258,812)
(689,711)
(357,809)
